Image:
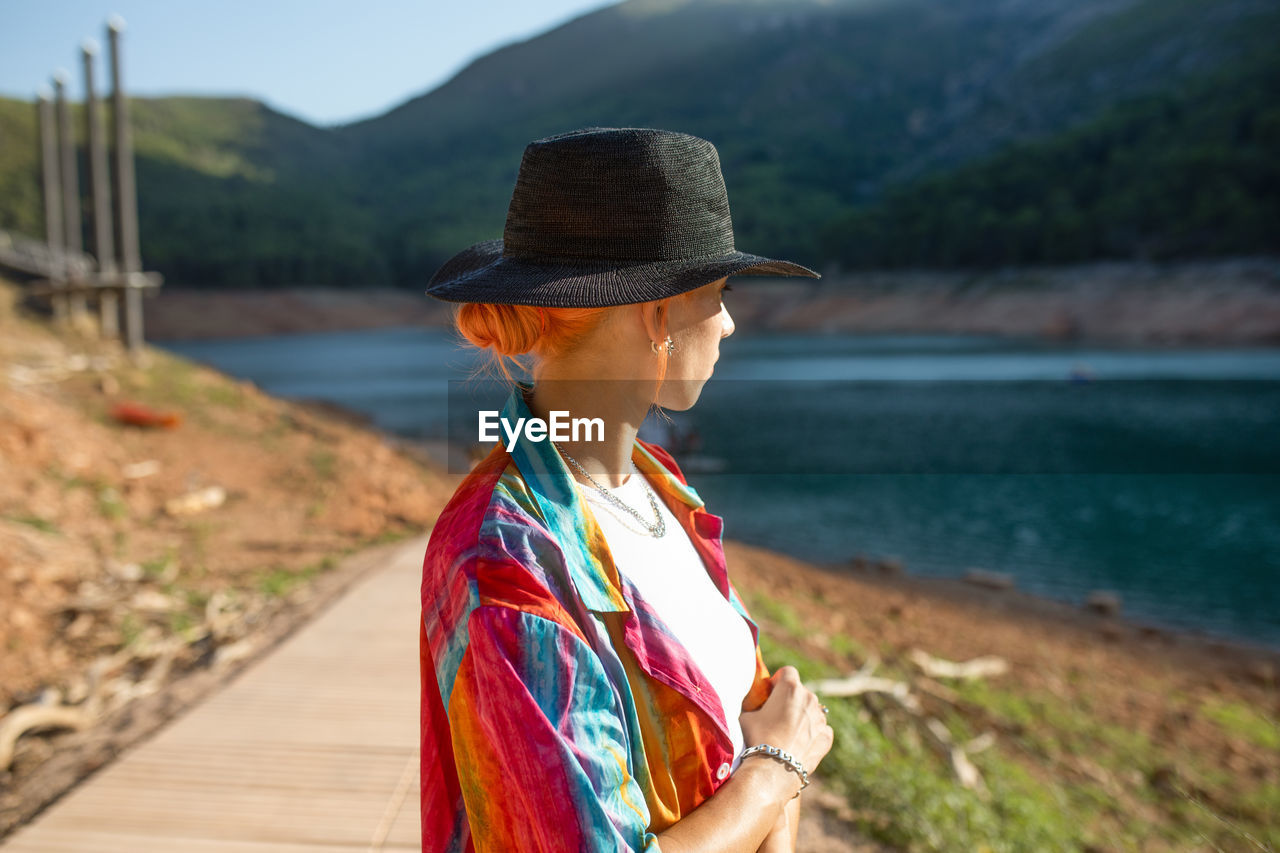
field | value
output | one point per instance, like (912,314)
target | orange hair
(511,331)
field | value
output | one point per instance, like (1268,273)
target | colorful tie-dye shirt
(558,711)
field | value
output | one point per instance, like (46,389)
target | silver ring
(825,709)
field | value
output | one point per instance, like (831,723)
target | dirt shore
(1229,302)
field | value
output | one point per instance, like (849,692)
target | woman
(590,679)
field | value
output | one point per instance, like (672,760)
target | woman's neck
(619,403)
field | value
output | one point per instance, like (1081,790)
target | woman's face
(696,323)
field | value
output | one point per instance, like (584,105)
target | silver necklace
(657,530)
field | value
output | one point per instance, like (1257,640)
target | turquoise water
(1153,473)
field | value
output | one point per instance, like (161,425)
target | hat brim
(482,274)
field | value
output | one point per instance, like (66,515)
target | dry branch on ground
(865,683)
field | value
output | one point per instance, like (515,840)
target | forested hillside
(1188,173)
(863,133)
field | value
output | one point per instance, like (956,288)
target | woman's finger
(787,675)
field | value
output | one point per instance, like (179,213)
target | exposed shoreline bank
(1257,662)
(1211,303)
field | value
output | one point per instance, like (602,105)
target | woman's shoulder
(464,512)
(491,539)
(492,490)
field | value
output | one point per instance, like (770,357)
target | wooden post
(71,213)
(103,236)
(52,200)
(125,193)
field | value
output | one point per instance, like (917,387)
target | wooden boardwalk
(31,257)
(312,748)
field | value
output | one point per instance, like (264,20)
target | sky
(321,61)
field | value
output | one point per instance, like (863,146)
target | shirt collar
(566,513)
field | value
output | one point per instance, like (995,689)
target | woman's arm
(541,755)
(782,838)
(748,809)
(739,815)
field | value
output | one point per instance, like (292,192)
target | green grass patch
(1012,707)
(130,629)
(777,653)
(324,463)
(111,505)
(180,622)
(199,536)
(223,394)
(764,607)
(172,382)
(74,481)
(1264,802)
(273,435)
(386,537)
(279,581)
(43,525)
(1244,721)
(1052,728)
(167,380)
(903,795)
(157,566)
(195,598)
(848,647)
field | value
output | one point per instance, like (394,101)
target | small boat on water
(1081,372)
(683,441)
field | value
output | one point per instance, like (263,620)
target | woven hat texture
(608,216)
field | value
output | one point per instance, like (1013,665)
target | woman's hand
(790,719)
(756,805)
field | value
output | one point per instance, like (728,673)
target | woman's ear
(653,316)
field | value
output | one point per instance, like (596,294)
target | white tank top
(672,578)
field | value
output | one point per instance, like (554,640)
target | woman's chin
(683,396)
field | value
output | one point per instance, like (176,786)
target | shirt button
(723,772)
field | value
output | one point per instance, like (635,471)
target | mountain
(20,206)
(232,191)
(838,123)
(228,191)
(1186,173)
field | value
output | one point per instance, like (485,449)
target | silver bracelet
(785,757)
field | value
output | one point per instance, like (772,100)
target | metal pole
(125,193)
(52,200)
(103,238)
(71,213)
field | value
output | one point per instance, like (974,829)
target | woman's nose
(726,322)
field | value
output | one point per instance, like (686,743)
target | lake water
(1153,473)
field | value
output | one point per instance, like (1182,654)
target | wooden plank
(315,747)
(406,831)
(78,841)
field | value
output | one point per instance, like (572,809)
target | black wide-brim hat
(608,216)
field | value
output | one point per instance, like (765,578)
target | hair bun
(507,330)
